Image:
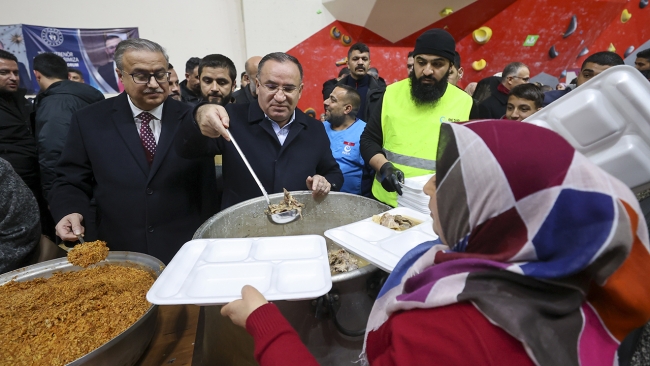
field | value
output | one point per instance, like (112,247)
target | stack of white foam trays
(413,196)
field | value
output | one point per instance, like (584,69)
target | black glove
(390,178)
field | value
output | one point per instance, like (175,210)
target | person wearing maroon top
(508,282)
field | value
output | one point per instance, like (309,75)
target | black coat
(244,95)
(145,209)
(17,144)
(305,152)
(373,97)
(53,109)
(187,95)
(494,107)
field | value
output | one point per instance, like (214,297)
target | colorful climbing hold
(584,52)
(335,33)
(625,16)
(643,4)
(342,61)
(628,51)
(479,65)
(446,11)
(346,40)
(611,48)
(482,35)
(553,52)
(573,25)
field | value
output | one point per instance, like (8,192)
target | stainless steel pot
(226,344)
(127,347)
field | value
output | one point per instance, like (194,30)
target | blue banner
(87,50)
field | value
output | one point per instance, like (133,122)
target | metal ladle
(278,218)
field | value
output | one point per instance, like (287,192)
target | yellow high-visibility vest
(411,132)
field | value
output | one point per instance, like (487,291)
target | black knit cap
(436,42)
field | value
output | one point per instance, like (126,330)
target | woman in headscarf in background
(542,260)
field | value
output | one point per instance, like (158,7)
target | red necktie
(146,135)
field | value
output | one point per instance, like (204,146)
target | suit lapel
(296,126)
(125,124)
(169,123)
(256,115)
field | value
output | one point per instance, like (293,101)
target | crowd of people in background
(366,121)
(138,170)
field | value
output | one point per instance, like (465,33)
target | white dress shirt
(155,124)
(283,131)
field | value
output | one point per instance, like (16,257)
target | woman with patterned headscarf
(542,260)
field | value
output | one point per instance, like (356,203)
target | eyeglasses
(286,89)
(519,77)
(142,78)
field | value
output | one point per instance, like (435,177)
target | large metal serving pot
(226,344)
(127,347)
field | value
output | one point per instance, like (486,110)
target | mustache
(152,91)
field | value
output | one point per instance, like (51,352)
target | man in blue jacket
(285,147)
(344,130)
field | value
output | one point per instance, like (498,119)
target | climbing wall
(549,36)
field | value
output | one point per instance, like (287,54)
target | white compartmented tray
(213,271)
(608,120)
(380,245)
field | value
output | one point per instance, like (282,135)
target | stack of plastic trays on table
(413,196)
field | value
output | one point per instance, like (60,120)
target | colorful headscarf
(544,243)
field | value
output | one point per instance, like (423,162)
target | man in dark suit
(285,147)
(494,107)
(119,153)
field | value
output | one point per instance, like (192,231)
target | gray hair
(511,70)
(137,44)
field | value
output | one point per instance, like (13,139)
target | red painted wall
(511,22)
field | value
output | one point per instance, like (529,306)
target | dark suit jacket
(305,152)
(108,74)
(145,209)
(244,95)
(494,107)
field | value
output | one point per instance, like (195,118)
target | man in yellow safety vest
(401,137)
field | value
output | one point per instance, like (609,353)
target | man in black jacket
(248,93)
(191,86)
(494,107)
(17,144)
(369,89)
(285,147)
(53,108)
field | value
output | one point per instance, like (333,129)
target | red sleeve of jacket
(276,342)
(452,335)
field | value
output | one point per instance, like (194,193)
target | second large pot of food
(322,323)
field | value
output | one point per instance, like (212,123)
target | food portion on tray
(395,222)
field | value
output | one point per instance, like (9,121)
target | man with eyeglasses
(119,153)
(285,147)
(494,107)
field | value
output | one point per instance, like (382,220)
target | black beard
(6,94)
(427,94)
(336,121)
(224,99)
